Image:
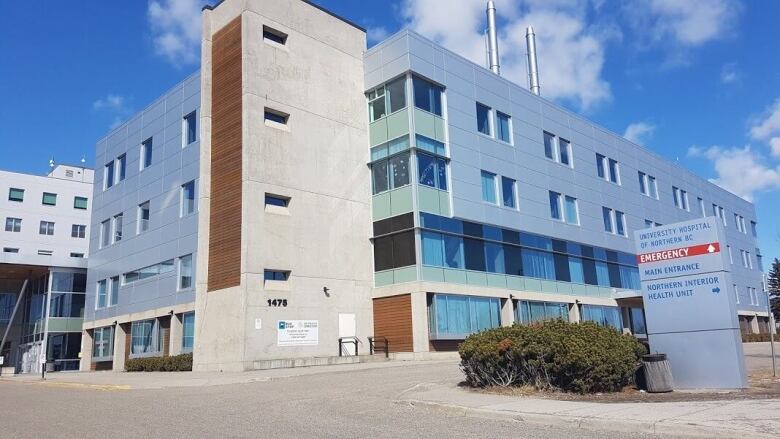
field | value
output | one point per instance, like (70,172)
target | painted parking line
(70,385)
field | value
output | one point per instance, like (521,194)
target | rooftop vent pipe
(533,69)
(492,38)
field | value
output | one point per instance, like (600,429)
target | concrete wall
(524,161)
(318,160)
(169,235)
(32,211)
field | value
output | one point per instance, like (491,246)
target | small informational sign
(2,360)
(689,303)
(297,332)
(258,323)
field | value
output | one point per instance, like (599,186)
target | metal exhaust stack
(533,69)
(492,38)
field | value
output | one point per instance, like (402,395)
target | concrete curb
(588,423)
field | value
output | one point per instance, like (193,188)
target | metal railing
(379,344)
(346,341)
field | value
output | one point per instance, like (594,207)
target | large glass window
(455,317)
(387,99)
(637,321)
(538,264)
(427,96)
(391,173)
(483,119)
(146,338)
(188,331)
(7,303)
(503,127)
(46,228)
(489,187)
(528,311)
(509,192)
(430,145)
(432,171)
(13,224)
(603,315)
(394,251)
(103,343)
(148,271)
(65,305)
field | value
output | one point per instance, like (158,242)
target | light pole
(772,327)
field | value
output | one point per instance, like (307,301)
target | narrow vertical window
(187,198)
(508,192)
(118,227)
(143,217)
(113,297)
(503,128)
(642,183)
(572,214)
(652,186)
(555,205)
(564,148)
(121,167)
(146,153)
(620,223)
(489,187)
(185,272)
(701,207)
(600,168)
(549,145)
(606,214)
(105,233)
(190,129)
(108,175)
(483,119)
(614,171)
(101,295)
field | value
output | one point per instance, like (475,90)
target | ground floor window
(103,343)
(455,317)
(603,315)
(528,311)
(188,331)
(637,316)
(146,338)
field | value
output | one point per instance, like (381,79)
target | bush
(552,355)
(177,363)
(755,338)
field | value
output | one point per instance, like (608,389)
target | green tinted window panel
(80,203)
(383,278)
(476,278)
(49,199)
(439,130)
(424,124)
(15,194)
(564,288)
(579,289)
(406,274)
(401,200)
(605,292)
(428,200)
(532,284)
(377,132)
(444,203)
(548,286)
(380,206)
(433,274)
(455,276)
(593,290)
(397,124)
(496,280)
(515,283)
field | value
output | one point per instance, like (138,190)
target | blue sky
(697,81)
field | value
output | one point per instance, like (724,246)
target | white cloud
(376,34)
(570,52)
(176,29)
(689,23)
(729,74)
(110,102)
(740,170)
(768,124)
(639,132)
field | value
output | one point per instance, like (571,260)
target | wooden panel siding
(393,319)
(224,268)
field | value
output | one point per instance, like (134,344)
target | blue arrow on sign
(716,290)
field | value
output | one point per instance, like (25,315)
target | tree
(773,286)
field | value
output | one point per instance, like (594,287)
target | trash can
(658,373)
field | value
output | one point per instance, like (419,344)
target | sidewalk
(162,380)
(726,418)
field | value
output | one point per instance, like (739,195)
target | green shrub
(176,363)
(552,355)
(754,338)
